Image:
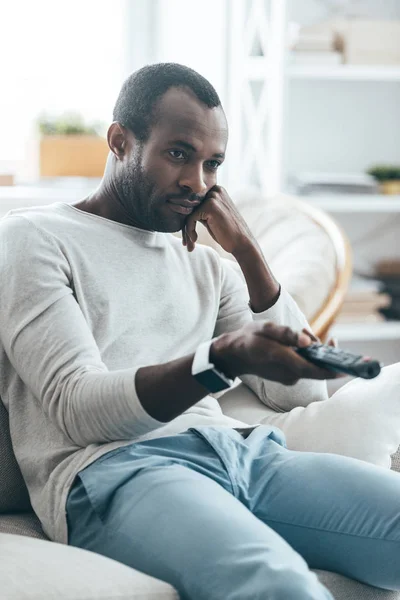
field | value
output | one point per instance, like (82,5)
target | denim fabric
(221,516)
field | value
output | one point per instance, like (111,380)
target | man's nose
(192,177)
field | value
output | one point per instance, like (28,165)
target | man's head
(168,139)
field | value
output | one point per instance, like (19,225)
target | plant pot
(390,187)
(72,156)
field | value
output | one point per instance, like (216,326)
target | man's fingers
(308,370)
(311,371)
(190,226)
(299,366)
(311,335)
(190,233)
(295,367)
(285,335)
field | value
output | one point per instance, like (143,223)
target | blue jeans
(223,517)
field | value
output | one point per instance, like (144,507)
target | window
(57,56)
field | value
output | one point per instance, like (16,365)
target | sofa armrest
(32,569)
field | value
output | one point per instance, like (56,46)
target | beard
(138,193)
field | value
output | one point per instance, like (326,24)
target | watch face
(212,381)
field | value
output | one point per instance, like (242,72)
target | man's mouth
(183,206)
(181,209)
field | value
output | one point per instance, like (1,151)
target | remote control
(335,359)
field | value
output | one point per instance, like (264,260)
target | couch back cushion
(14,495)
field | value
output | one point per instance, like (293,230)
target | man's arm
(267,301)
(262,286)
(255,358)
(48,342)
(227,226)
(262,349)
(52,349)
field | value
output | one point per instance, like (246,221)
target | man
(113,335)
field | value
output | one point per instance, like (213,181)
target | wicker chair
(306,249)
(325,316)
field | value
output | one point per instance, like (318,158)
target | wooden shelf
(257,68)
(356,203)
(345,72)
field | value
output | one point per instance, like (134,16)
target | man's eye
(214,164)
(178,154)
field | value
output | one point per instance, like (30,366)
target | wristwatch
(206,373)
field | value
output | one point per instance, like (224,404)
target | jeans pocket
(83,516)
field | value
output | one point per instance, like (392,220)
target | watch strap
(206,373)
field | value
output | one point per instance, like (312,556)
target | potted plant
(69,147)
(388,177)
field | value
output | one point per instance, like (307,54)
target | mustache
(191,197)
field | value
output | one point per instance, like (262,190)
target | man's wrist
(220,356)
(246,249)
(264,289)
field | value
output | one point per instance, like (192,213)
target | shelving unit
(293,118)
(348,95)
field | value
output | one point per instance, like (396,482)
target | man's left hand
(331,342)
(223,221)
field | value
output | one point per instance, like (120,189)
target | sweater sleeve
(50,346)
(234,312)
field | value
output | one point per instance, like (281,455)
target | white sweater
(85,302)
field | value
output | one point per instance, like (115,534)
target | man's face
(164,179)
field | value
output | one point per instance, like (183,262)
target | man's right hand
(268,351)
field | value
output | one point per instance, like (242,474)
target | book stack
(363,302)
(316,48)
(388,274)
(311,184)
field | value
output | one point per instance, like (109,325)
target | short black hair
(141,91)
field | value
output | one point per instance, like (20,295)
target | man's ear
(117,138)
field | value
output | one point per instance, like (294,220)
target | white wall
(194,34)
(342,126)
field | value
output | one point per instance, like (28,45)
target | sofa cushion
(13,492)
(361,420)
(343,588)
(22,524)
(31,569)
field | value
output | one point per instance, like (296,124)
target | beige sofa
(33,568)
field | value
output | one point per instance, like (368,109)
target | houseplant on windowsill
(388,177)
(69,147)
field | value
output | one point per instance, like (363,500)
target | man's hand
(222,219)
(331,342)
(266,350)
(228,228)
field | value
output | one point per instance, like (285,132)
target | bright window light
(57,56)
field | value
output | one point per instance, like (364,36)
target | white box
(370,42)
